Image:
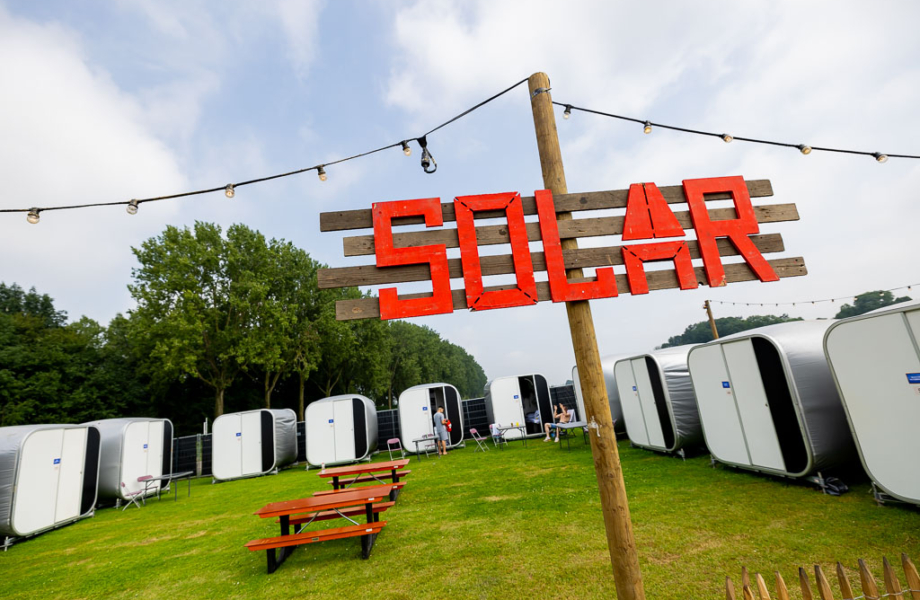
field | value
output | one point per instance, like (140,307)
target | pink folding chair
(130,496)
(394,444)
(480,440)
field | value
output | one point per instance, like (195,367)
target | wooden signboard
(651,230)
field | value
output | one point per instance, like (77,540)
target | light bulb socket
(804,148)
(647,127)
(230,191)
(428,163)
(322,173)
(880,157)
(405,148)
(33,217)
(132,207)
(727,138)
(568,111)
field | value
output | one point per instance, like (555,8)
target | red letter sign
(634,256)
(560,288)
(525,293)
(435,255)
(648,215)
(735,230)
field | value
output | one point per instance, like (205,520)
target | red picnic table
(301,513)
(368,472)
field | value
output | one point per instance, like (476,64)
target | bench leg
(272,563)
(367,544)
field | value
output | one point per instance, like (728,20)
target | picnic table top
(353,497)
(572,424)
(365,468)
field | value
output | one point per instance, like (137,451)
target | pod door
(629,402)
(545,407)
(40,465)
(321,435)
(753,406)
(344,415)
(70,475)
(415,417)
(251,442)
(227,447)
(451,404)
(506,404)
(716,400)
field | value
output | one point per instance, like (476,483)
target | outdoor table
(569,427)
(428,437)
(521,428)
(315,504)
(169,478)
(372,469)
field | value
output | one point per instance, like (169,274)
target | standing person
(440,431)
(561,415)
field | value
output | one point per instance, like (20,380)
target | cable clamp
(539,91)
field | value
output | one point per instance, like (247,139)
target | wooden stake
(892,585)
(806,585)
(620,542)
(781,592)
(824,588)
(845,589)
(762,591)
(712,322)
(913,579)
(869,587)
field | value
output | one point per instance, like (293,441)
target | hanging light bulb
(322,174)
(132,207)
(406,149)
(229,191)
(880,157)
(727,137)
(648,127)
(804,149)
(33,217)
(568,111)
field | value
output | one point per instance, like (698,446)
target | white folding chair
(394,444)
(479,440)
(131,497)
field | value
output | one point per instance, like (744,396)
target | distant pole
(620,542)
(712,322)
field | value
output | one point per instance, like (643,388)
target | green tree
(701,332)
(201,300)
(869,301)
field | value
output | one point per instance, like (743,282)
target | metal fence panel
(474,415)
(566,395)
(387,426)
(301,441)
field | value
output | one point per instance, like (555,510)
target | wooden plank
(729,589)
(578,258)
(805,585)
(762,592)
(913,579)
(363,245)
(824,588)
(892,585)
(846,590)
(344,220)
(782,593)
(368,308)
(869,587)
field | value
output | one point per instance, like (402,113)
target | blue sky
(110,101)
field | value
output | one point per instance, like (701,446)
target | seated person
(561,415)
(496,434)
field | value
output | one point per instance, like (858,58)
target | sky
(107,101)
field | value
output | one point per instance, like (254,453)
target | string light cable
(806,302)
(727,137)
(427,162)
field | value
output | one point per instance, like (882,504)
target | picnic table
(345,477)
(305,511)
(567,428)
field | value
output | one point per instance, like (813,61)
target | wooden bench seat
(357,511)
(398,486)
(368,478)
(309,537)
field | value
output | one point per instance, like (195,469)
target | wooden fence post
(620,542)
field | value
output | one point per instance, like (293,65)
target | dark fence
(474,416)
(206,454)
(387,427)
(301,441)
(185,454)
(566,395)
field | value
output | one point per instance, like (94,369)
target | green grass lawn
(519,523)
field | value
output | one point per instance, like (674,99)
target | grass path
(520,523)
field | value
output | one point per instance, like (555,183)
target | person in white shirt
(561,415)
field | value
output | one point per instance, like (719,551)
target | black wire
(572,107)
(269,177)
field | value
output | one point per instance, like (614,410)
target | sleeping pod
(132,448)
(340,430)
(875,361)
(48,477)
(253,443)
(522,399)
(417,406)
(657,399)
(613,394)
(768,402)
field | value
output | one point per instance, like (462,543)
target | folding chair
(394,444)
(130,496)
(479,440)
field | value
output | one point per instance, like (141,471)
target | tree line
(700,333)
(224,321)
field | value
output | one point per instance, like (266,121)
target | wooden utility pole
(712,322)
(620,542)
